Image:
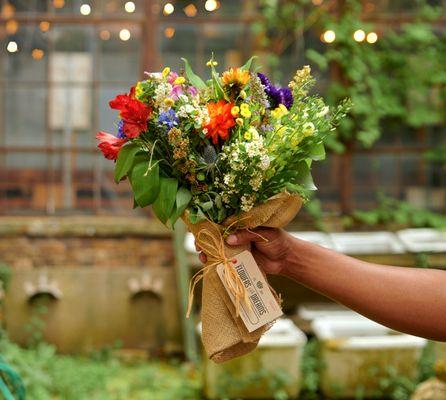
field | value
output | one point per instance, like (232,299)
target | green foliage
(311,369)
(5,276)
(48,376)
(392,211)
(401,77)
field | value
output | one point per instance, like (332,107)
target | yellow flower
(239,121)
(166,71)
(308,129)
(245,112)
(295,141)
(243,94)
(279,112)
(235,76)
(179,81)
(234,111)
(169,102)
(139,90)
(212,63)
(247,135)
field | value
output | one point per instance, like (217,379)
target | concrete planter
(358,353)
(273,367)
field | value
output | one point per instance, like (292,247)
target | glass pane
(25,115)
(231,44)
(211,9)
(120,59)
(28,62)
(123,8)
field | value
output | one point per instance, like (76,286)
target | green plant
(311,369)
(394,211)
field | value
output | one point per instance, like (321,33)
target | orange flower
(236,77)
(221,120)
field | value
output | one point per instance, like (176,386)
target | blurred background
(84,275)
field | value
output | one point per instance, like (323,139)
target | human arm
(405,299)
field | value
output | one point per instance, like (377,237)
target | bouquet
(231,152)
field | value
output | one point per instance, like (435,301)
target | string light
(8,10)
(37,54)
(130,7)
(169,32)
(12,47)
(329,36)
(58,3)
(372,37)
(168,8)
(85,9)
(211,5)
(44,26)
(359,35)
(190,10)
(124,35)
(104,34)
(12,26)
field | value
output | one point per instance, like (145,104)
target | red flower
(221,120)
(109,145)
(134,113)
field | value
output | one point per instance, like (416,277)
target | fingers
(257,235)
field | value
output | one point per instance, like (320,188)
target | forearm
(406,299)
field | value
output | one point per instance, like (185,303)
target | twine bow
(213,246)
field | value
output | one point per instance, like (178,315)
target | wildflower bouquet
(232,152)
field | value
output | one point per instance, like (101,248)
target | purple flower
(286,97)
(168,119)
(192,91)
(276,95)
(121,134)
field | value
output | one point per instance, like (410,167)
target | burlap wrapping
(224,335)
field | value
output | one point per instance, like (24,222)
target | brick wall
(27,242)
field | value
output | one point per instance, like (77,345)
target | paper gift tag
(264,306)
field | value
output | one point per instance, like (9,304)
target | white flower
(265,162)
(323,112)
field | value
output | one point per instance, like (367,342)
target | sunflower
(235,77)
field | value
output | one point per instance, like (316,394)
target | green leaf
(219,92)
(145,183)
(125,160)
(247,65)
(163,205)
(182,201)
(317,152)
(304,177)
(193,78)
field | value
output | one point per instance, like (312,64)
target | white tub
(357,353)
(274,365)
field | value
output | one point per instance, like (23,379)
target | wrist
(293,263)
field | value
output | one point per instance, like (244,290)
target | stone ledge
(82,226)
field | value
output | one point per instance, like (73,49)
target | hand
(270,247)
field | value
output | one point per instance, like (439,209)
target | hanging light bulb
(124,35)
(12,26)
(85,9)
(190,10)
(169,32)
(329,36)
(211,5)
(372,37)
(37,54)
(44,26)
(105,34)
(130,7)
(12,47)
(59,3)
(168,8)
(359,35)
